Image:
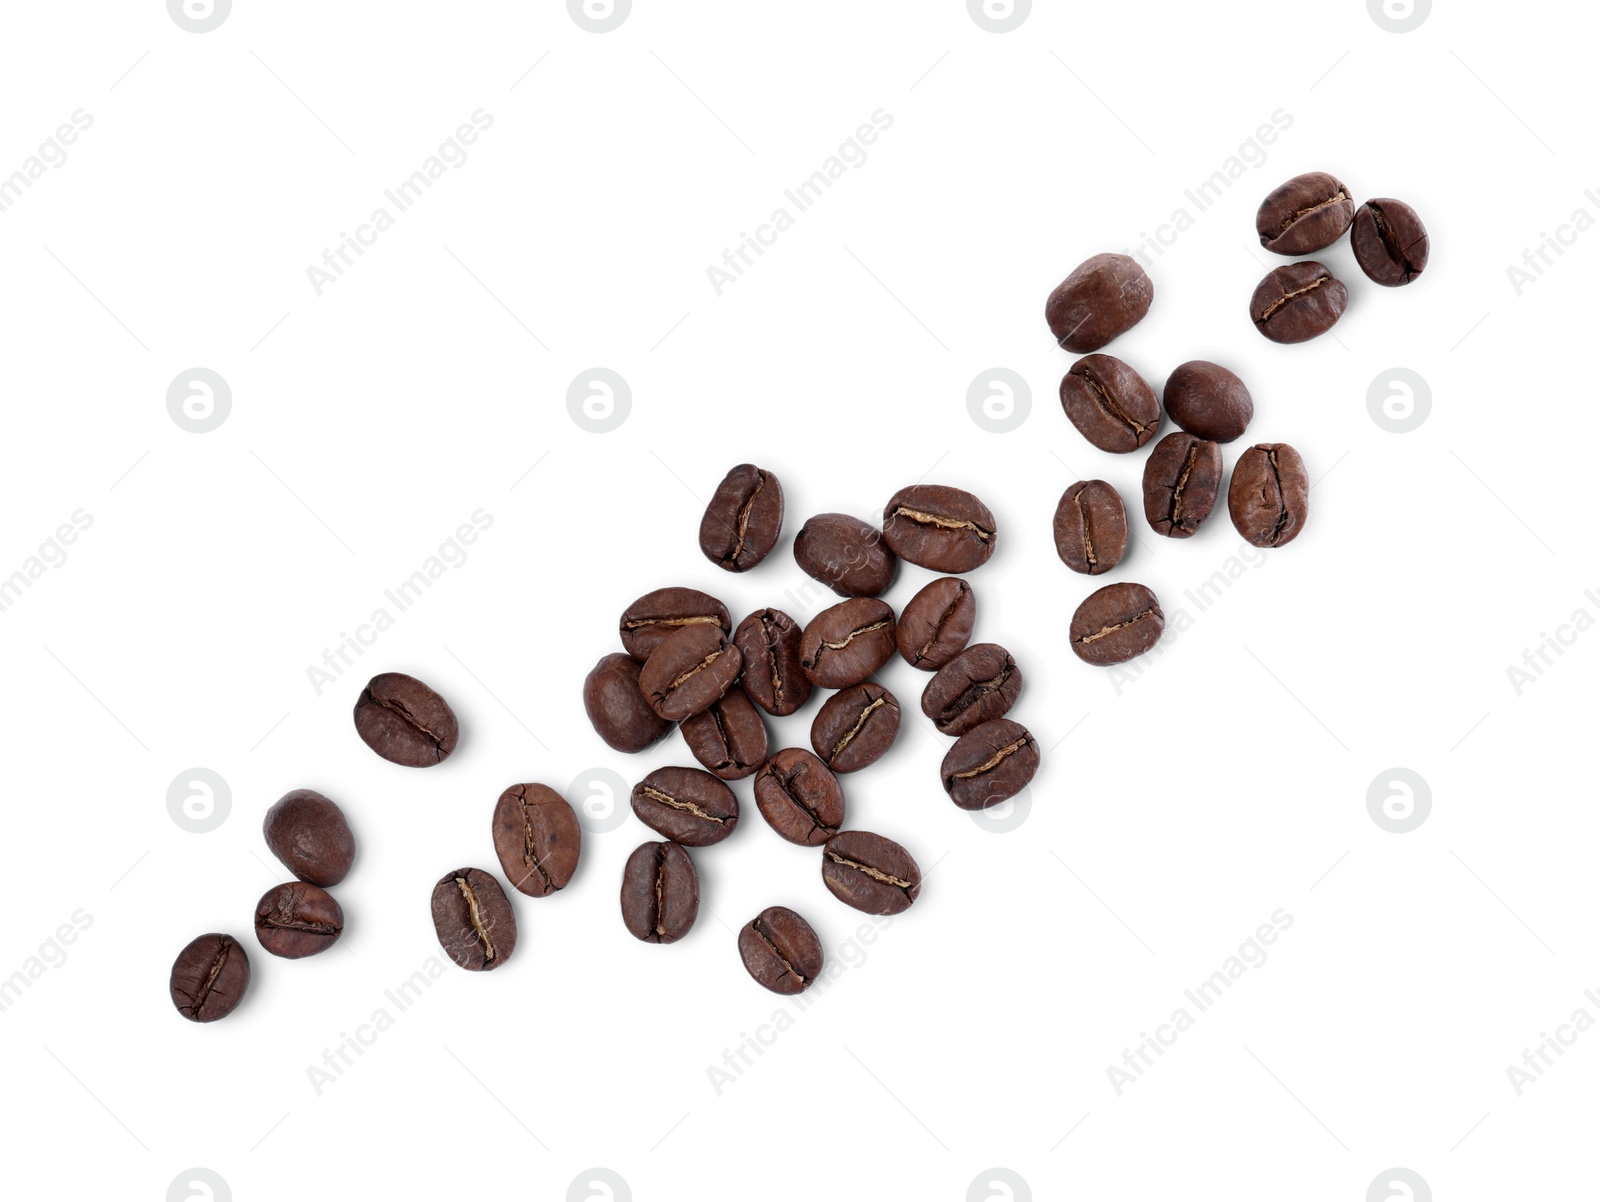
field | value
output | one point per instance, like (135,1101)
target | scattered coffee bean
(296,919)
(1115,624)
(936,623)
(656,616)
(1390,242)
(617,707)
(209,978)
(405,721)
(538,839)
(1297,302)
(728,736)
(780,950)
(855,727)
(989,764)
(978,685)
(1181,480)
(1305,214)
(686,805)
(799,797)
(940,528)
(474,920)
(871,873)
(1091,527)
(744,519)
(660,893)
(1104,296)
(848,642)
(1110,403)
(688,671)
(1268,493)
(1209,400)
(846,554)
(310,835)
(769,642)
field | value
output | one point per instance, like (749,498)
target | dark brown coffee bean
(846,554)
(1091,527)
(989,764)
(1209,400)
(769,642)
(1297,302)
(617,707)
(744,519)
(780,950)
(799,797)
(689,671)
(660,893)
(1104,296)
(1116,623)
(728,736)
(474,920)
(978,685)
(855,727)
(209,978)
(936,623)
(1181,481)
(538,839)
(870,872)
(848,642)
(295,920)
(1305,214)
(310,835)
(940,528)
(1268,494)
(1390,242)
(656,616)
(686,805)
(405,721)
(1110,403)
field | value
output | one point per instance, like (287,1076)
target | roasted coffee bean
(1181,480)
(769,642)
(846,554)
(976,686)
(1104,296)
(209,978)
(848,642)
(296,919)
(405,721)
(1209,400)
(799,797)
(744,519)
(538,839)
(310,835)
(689,671)
(855,726)
(936,623)
(989,764)
(780,950)
(870,872)
(1110,403)
(940,528)
(617,707)
(728,736)
(474,920)
(1305,214)
(1091,527)
(1390,242)
(686,805)
(655,617)
(1268,493)
(1297,302)
(1116,623)
(660,893)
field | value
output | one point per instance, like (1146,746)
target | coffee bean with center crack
(848,642)
(1110,403)
(989,764)
(617,708)
(1115,624)
(1105,295)
(800,797)
(728,736)
(1268,494)
(660,893)
(744,519)
(538,839)
(474,920)
(871,873)
(769,642)
(846,554)
(936,623)
(656,616)
(297,919)
(688,671)
(1208,400)
(686,805)
(780,950)
(209,978)
(1305,214)
(1297,302)
(310,835)
(1091,527)
(1181,481)
(1390,242)
(855,726)
(978,685)
(405,721)
(940,528)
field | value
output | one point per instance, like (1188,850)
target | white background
(1173,814)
